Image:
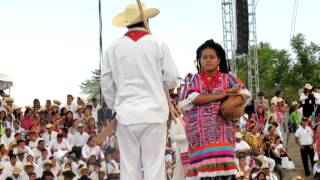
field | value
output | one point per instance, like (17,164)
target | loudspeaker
(242,19)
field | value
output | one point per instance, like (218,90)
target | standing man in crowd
(95,108)
(134,73)
(262,101)
(305,139)
(71,106)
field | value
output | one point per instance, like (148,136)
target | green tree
(307,66)
(92,87)
(280,70)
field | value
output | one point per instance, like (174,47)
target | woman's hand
(232,91)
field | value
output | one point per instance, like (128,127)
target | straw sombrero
(308,86)
(131,15)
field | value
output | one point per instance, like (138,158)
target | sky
(48,47)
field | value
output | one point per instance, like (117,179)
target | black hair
(265,177)
(138,24)
(20,141)
(278,92)
(62,111)
(27,111)
(260,94)
(47,173)
(219,51)
(11,156)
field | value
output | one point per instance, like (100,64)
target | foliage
(91,87)
(289,72)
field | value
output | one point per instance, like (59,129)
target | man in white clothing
(49,136)
(68,136)
(265,168)
(13,163)
(7,138)
(80,139)
(134,73)
(71,106)
(60,147)
(178,136)
(21,147)
(95,108)
(241,146)
(38,150)
(305,140)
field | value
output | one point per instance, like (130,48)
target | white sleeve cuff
(247,93)
(186,104)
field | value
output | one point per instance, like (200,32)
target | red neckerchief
(214,79)
(136,35)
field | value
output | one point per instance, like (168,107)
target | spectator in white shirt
(30,160)
(49,136)
(68,136)
(13,163)
(279,94)
(92,149)
(110,164)
(71,106)
(305,140)
(60,147)
(17,174)
(33,139)
(21,147)
(44,157)
(7,138)
(95,108)
(265,168)
(80,139)
(38,150)
(241,146)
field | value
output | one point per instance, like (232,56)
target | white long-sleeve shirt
(49,138)
(178,135)
(64,145)
(71,107)
(133,76)
(7,140)
(88,151)
(80,139)
(70,139)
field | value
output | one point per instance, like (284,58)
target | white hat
(3,109)
(6,99)
(16,170)
(308,86)
(239,135)
(131,15)
(15,107)
(49,126)
(294,103)
(57,102)
(279,100)
(265,165)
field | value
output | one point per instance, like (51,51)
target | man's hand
(106,131)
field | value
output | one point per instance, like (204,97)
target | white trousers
(142,147)
(178,172)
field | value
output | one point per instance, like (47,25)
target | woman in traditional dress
(261,117)
(211,137)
